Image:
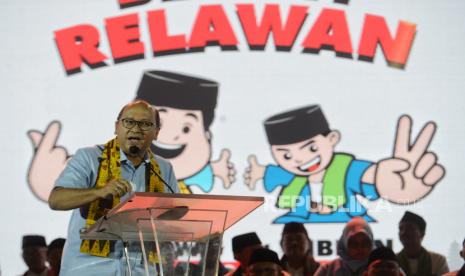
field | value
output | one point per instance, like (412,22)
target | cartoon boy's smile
(168,151)
(310,166)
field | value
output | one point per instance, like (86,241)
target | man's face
(307,157)
(244,256)
(383,268)
(359,246)
(183,140)
(136,136)
(264,269)
(35,257)
(295,245)
(410,235)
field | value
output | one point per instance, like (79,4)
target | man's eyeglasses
(130,123)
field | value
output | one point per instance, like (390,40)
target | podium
(175,234)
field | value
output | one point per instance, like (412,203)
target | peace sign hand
(412,172)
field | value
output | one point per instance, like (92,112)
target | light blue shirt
(81,172)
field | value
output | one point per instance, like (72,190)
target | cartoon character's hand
(224,169)
(254,172)
(324,210)
(47,162)
(412,172)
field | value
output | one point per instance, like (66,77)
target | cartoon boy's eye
(313,148)
(186,129)
(287,155)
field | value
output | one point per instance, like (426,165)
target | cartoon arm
(412,172)
(48,160)
(254,172)
(224,168)
(273,176)
(202,179)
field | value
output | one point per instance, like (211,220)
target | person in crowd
(243,246)
(297,247)
(54,252)
(96,178)
(461,271)
(353,248)
(35,255)
(264,262)
(383,262)
(414,259)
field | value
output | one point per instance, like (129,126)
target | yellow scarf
(110,168)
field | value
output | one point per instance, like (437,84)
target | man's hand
(254,172)
(224,168)
(411,173)
(48,160)
(115,187)
(71,198)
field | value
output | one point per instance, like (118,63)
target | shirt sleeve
(439,264)
(354,179)
(203,179)
(78,172)
(276,176)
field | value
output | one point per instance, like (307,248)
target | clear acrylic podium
(176,234)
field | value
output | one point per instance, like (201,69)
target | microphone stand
(136,151)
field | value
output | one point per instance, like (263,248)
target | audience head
(412,229)
(264,261)
(243,246)
(383,262)
(295,241)
(356,241)
(34,252)
(55,250)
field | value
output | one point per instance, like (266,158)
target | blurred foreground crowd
(356,250)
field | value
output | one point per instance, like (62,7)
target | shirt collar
(124,158)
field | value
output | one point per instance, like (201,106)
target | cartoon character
(186,106)
(321,185)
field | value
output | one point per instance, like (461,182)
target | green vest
(334,194)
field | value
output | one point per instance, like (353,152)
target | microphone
(135,150)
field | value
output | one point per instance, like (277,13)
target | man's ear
(334,137)
(116,124)
(155,133)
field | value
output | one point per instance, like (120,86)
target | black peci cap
(33,241)
(264,255)
(161,88)
(296,125)
(382,253)
(415,219)
(242,241)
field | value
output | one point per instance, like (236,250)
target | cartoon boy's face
(306,157)
(183,140)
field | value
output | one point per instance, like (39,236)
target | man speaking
(96,178)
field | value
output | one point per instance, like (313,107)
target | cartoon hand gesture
(48,160)
(224,169)
(412,172)
(254,172)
